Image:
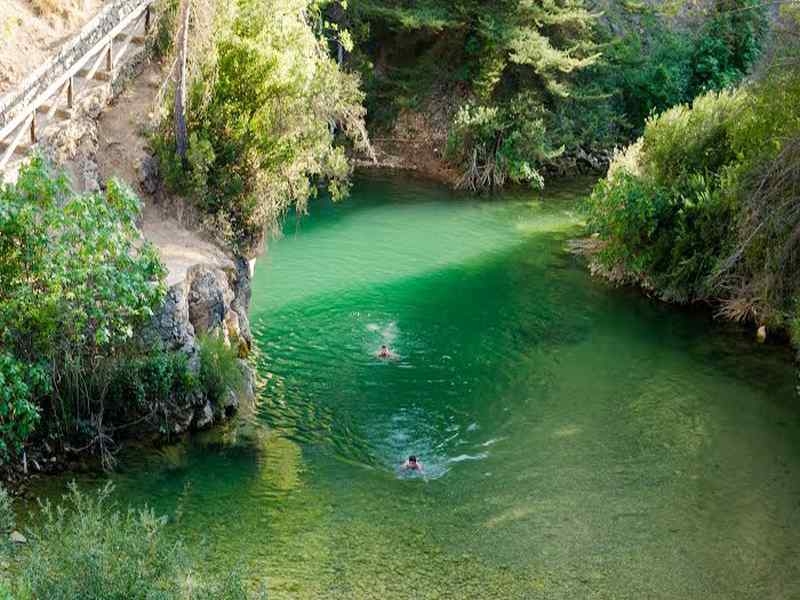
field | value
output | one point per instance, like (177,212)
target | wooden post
(110,57)
(33,127)
(70,92)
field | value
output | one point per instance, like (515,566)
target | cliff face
(212,300)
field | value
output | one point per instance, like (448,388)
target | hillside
(32,30)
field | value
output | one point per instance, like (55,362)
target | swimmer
(412,464)
(384,352)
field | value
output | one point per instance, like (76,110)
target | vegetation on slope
(706,205)
(77,286)
(88,549)
(267,110)
(527,82)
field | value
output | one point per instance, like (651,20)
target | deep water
(578,441)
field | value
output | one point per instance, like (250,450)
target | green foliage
(220,374)
(668,222)
(74,277)
(142,384)
(76,283)
(728,44)
(499,143)
(645,74)
(88,549)
(20,386)
(584,87)
(512,61)
(704,206)
(7,518)
(263,117)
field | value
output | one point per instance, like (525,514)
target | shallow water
(578,441)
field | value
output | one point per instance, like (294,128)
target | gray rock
(248,381)
(17,538)
(90,173)
(209,298)
(149,174)
(204,416)
(172,324)
(182,420)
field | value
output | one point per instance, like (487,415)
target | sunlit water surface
(578,441)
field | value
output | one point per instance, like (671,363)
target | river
(578,441)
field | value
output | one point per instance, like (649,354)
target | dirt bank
(33,30)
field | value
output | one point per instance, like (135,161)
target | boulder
(17,538)
(209,298)
(172,324)
(204,416)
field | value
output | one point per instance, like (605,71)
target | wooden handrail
(26,111)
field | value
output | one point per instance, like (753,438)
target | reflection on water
(577,441)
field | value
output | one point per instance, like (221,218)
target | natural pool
(579,441)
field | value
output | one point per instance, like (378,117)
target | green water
(578,441)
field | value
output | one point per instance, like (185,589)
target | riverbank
(207,286)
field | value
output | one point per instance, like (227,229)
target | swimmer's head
(384,347)
(412,459)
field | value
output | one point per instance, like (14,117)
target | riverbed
(578,440)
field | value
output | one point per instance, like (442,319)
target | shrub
(21,385)
(149,383)
(728,45)
(7,519)
(265,108)
(666,209)
(220,373)
(705,205)
(88,549)
(76,283)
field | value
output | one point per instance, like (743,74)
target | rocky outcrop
(212,300)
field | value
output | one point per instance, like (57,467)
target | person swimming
(384,352)
(412,464)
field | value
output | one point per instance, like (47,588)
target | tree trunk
(181,133)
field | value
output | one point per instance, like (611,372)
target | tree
(515,57)
(76,283)
(266,114)
(182,44)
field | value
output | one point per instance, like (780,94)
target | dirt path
(122,147)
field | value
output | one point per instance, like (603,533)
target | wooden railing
(95,53)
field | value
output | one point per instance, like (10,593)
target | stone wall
(38,81)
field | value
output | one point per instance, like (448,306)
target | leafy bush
(220,373)
(149,383)
(76,283)
(21,385)
(704,207)
(495,144)
(88,549)
(668,224)
(728,45)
